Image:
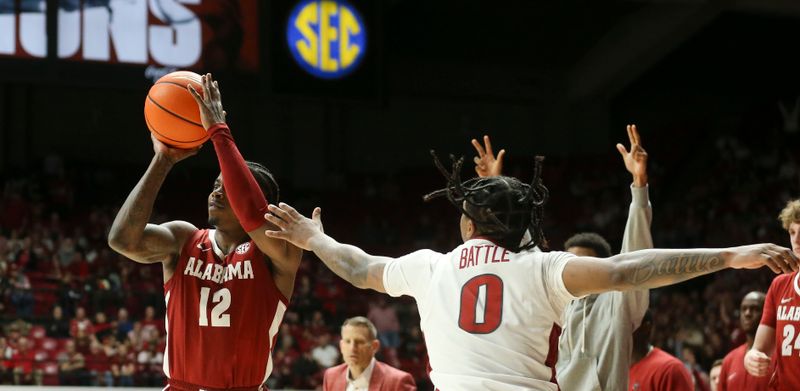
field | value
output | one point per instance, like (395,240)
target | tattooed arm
(656,268)
(131,235)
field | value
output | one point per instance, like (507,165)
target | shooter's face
(219,211)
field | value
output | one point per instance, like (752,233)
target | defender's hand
(210,103)
(636,159)
(754,256)
(485,163)
(173,155)
(294,227)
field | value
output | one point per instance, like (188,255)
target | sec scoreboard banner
(327,38)
(199,34)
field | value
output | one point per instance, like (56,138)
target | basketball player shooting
(487,307)
(226,288)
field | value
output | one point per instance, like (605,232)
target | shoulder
(336,370)
(391,373)
(782,280)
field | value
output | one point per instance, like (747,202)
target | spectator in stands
(23,362)
(72,367)
(699,376)
(98,365)
(21,295)
(151,322)
(384,316)
(325,354)
(123,324)
(80,323)
(58,327)
(733,375)
(123,366)
(713,375)
(102,327)
(5,355)
(654,369)
(151,363)
(136,337)
(360,370)
(303,370)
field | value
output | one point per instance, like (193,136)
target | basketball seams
(161,135)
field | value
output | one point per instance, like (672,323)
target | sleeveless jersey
(782,312)
(486,313)
(223,313)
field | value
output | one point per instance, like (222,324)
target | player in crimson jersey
(226,288)
(733,375)
(780,321)
(487,307)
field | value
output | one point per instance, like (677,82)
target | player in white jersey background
(486,307)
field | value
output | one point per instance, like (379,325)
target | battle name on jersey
(219,273)
(786,312)
(474,255)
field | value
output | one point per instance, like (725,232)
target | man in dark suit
(361,371)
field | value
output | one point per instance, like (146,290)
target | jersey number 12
(218,316)
(481,308)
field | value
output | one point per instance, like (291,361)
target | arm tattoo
(666,269)
(348,262)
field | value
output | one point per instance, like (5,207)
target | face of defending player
(220,214)
(794,237)
(357,347)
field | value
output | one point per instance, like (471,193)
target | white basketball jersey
(486,312)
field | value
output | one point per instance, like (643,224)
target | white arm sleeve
(638,237)
(410,274)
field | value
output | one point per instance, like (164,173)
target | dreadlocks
(265,181)
(501,207)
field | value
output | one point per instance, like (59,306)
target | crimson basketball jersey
(782,312)
(223,313)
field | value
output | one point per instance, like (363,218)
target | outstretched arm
(646,269)
(242,190)
(348,262)
(131,235)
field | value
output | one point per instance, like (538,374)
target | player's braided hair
(265,181)
(502,208)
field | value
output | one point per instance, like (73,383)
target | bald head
(750,312)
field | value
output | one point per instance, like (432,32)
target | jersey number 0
(481,304)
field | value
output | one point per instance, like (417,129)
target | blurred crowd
(74,312)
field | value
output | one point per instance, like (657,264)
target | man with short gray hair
(360,371)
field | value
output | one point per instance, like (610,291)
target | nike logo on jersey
(200,246)
(786,300)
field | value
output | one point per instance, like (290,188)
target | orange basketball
(172,114)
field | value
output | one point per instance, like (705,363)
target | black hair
(590,240)
(265,181)
(501,207)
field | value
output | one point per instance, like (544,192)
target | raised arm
(486,164)
(646,269)
(355,266)
(640,215)
(242,190)
(131,235)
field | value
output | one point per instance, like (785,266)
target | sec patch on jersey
(243,248)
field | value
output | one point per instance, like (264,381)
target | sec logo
(327,38)
(242,248)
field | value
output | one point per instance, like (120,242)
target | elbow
(117,242)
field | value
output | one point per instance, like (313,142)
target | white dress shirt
(360,383)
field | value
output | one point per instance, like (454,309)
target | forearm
(131,220)
(349,262)
(244,194)
(637,234)
(648,269)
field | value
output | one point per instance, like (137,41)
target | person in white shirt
(487,307)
